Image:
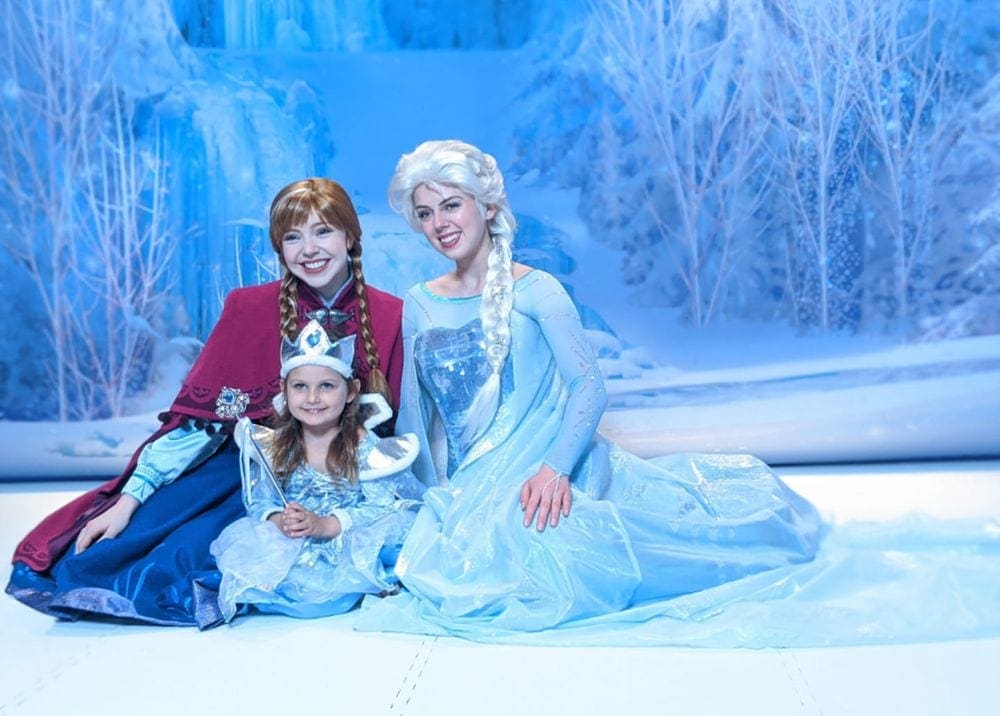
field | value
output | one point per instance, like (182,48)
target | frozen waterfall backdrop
(779,218)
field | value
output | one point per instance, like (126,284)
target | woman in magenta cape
(137,547)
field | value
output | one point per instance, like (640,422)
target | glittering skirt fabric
(688,550)
(306,577)
(639,531)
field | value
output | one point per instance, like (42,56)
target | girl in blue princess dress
(530,522)
(327,501)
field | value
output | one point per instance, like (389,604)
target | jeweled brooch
(231,403)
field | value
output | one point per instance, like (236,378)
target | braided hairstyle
(461,165)
(291,207)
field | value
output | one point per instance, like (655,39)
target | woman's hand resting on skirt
(547,495)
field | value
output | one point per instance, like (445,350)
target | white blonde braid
(458,164)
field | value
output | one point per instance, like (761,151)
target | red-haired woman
(138,547)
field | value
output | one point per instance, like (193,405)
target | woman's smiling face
(316,254)
(452,223)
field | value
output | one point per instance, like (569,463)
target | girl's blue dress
(312,577)
(706,550)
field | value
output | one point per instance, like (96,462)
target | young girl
(323,495)
(137,548)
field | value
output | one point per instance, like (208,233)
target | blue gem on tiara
(231,403)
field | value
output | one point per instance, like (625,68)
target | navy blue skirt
(159,569)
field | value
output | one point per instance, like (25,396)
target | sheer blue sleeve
(553,309)
(163,460)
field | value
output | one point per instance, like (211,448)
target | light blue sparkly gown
(311,577)
(638,531)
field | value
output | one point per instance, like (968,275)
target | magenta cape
(242,352)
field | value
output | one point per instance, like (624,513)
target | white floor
(275,665)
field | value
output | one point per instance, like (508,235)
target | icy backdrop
(780,218)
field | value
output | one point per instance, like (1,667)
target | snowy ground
(89,667)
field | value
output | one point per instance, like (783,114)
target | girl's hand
(109,524)
(546,494)
(297,521)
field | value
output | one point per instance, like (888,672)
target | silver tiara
(314,347)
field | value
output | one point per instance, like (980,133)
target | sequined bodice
(319,491)
(451,366)
(322,492)
(551,395)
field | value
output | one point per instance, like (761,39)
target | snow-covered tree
(685,76)
(961,287)
(904,62)
(813,98)
(753,158)
(81,210)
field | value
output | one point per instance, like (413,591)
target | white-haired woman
(529,521)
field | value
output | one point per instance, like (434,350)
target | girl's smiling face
(316,396)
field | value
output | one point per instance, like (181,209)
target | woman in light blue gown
(531,521)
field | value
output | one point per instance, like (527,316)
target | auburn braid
(377,382)
(288,305)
